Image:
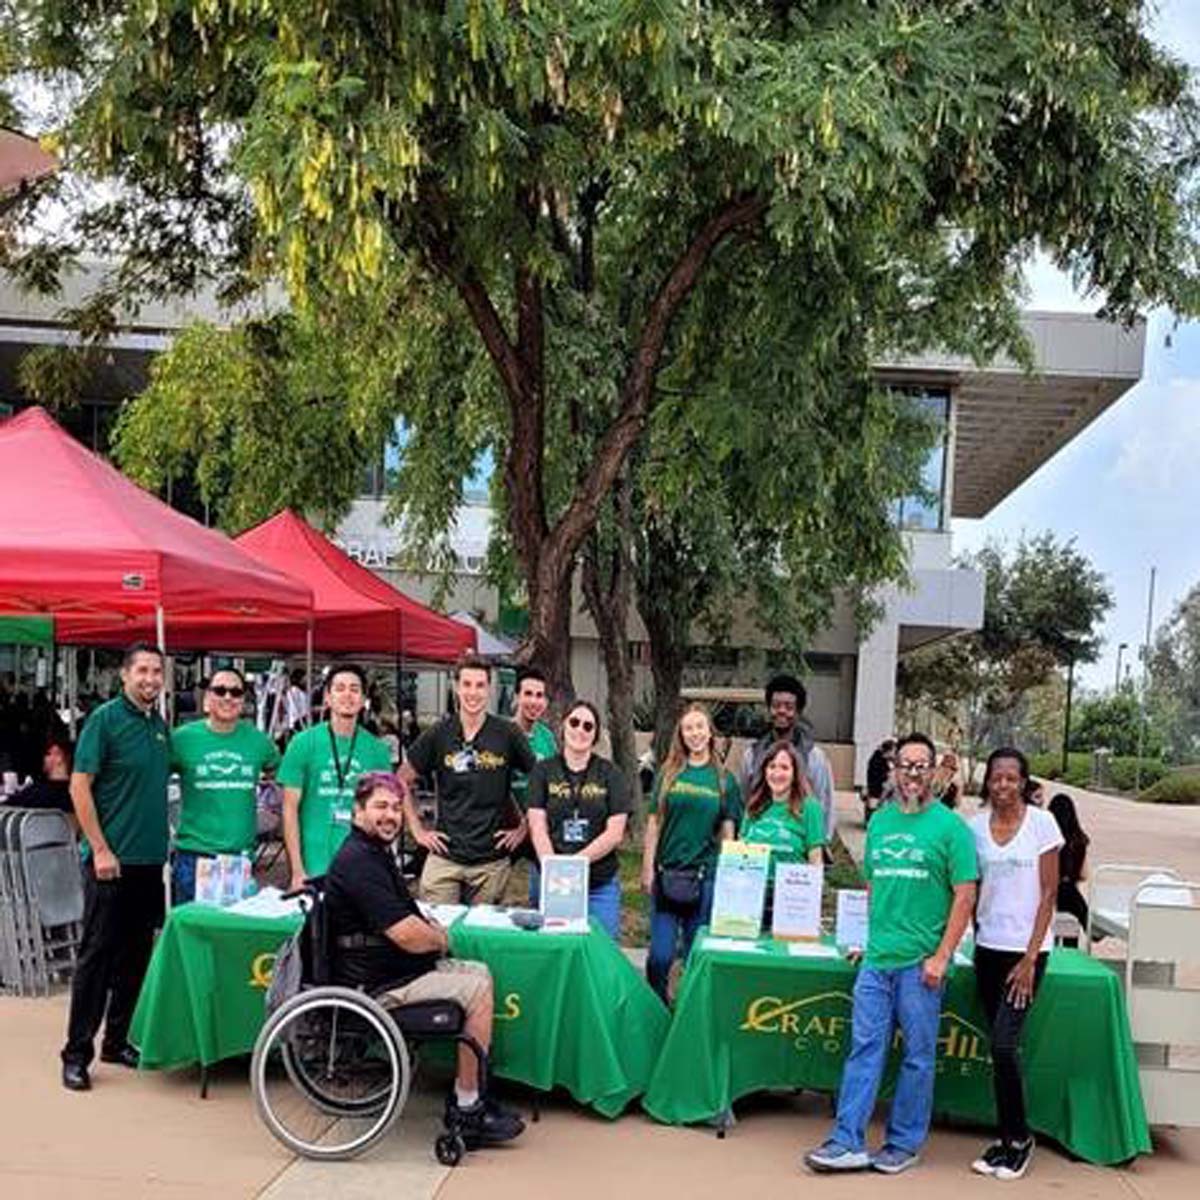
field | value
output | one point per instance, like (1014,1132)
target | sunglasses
(581,723)
(221,691)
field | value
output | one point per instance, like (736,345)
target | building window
(920,512)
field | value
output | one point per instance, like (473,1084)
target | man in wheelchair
(380,941)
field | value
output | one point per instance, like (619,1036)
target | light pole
(1117,679)
(1067,721)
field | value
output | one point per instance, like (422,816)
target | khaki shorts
(452,979)
(446,882)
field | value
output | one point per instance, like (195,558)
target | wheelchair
(332,1067)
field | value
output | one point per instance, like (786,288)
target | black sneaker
(990,1159)
(1016,1161)
(485,1123)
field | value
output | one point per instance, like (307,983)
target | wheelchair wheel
(330,1073)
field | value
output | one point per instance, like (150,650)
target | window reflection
(927,512)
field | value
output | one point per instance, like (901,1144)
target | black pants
(991,974)
(1070,900)
(119,919)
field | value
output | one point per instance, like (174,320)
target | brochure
(564,888)
(797,908)
(851,930)
(740,890)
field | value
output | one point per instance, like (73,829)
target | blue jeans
(884,999)
(672,932)
(183,875)
(604,901)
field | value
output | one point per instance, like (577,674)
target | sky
(1128,488)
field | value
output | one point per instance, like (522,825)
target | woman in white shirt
(1017,845)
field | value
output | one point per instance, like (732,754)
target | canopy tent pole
(71,671)
(160,634)
(308,673)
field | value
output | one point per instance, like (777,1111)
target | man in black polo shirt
(380,939)
(119,790)
(472,758)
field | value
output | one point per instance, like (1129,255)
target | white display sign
(851,920)
(740,890)
(564,888)
(797,910)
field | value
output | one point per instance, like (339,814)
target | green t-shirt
(912,862)
(124,750)
(310,765)
(696,806)
(543,745)
(218,774)
(790,838)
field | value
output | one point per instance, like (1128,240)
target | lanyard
(340,770)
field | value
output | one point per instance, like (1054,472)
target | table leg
(203,1083)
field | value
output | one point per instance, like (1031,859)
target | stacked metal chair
(41,900)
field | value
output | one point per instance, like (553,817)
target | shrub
(1123,774)
(1181,787)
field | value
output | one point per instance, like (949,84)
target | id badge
(341,814)
(575,831)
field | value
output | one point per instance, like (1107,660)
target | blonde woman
(694,805)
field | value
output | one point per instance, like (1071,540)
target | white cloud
(1159,450)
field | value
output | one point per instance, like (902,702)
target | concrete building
(999,426)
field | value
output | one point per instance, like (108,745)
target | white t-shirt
(1010,888)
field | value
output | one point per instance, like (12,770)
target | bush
(1123,775)
(1181,787)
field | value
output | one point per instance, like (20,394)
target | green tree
(555,186)
(1044,603)
(1173,694)
(1113,721)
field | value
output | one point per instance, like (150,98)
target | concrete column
(875,696)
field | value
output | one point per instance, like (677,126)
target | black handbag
(680,887)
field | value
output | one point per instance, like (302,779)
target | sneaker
(485,1123)
(990,1159)
(1016,1161)
(891,1160)
(833,1156)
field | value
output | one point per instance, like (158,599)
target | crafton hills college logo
(820,1024)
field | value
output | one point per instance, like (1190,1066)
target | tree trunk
(606,589)
(668,625)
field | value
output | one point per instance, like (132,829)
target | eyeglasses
(581,723)
(221,691)
(913,768)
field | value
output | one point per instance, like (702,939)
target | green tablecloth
(749,1021)
(570,1010)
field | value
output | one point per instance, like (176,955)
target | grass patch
(1180,788)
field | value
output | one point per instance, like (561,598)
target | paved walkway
(150,1134)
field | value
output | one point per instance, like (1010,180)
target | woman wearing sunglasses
(579,804)
(219,761)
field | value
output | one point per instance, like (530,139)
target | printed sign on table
(564,888)
(740,889)
(851,919)
(797,909)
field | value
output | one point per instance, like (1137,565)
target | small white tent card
(564,888)
(796,914)
(740,889)
(851,920)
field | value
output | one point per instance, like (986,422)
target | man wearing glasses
(219,761)
(921,869)
(472,757)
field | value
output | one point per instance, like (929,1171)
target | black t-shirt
(46,793)
(578,805)
(364,895)
(473,782)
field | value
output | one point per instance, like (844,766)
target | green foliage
(1113,721)
(1043,605)
(1173,699)
(1182,787)
(1121,773)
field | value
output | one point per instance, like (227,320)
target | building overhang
(1007,422)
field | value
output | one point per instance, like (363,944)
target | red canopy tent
(354,611)
(81,542)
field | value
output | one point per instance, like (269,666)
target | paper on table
(851,919)
(267,903)
(488,916)
(811,950)
(575,925)
(444,914)
(797,911)
(738,944)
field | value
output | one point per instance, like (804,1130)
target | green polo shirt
(125,751)
(311,765)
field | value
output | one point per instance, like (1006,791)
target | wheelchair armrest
(427,1018)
